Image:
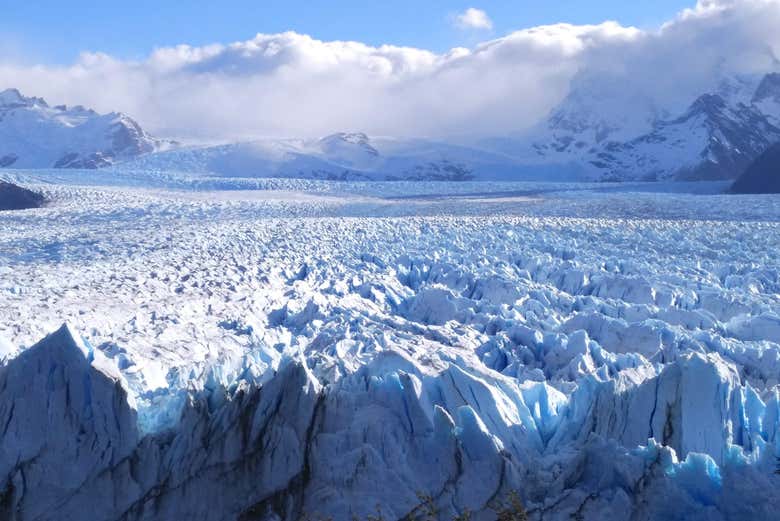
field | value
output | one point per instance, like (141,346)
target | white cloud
(290,84)
(473,18)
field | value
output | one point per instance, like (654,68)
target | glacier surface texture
(184,348)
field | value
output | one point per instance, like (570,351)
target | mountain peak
(708,104)
(13,98)
(354,138)
(353,149)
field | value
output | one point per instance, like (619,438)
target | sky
(240,70)
(57,31)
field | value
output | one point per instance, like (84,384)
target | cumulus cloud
(290,84)
(473,18)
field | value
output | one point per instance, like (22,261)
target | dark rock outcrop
(761,177)
(14,197)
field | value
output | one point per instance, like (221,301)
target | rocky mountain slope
(620,137)
(767,97)
(36,135)
(761,177)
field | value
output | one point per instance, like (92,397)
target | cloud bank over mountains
(291,84)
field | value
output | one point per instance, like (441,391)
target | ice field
(269,349)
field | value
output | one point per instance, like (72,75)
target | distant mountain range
(349,156)
(596,133)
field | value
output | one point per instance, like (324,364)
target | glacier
(308,349)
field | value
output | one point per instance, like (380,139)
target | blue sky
(54,31)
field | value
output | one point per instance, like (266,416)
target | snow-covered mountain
(625,137)
(710,141)
(350,156)
(36,135)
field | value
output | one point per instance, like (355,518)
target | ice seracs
(273,354)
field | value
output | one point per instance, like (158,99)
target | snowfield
(269,349)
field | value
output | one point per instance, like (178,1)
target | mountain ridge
(597,133)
